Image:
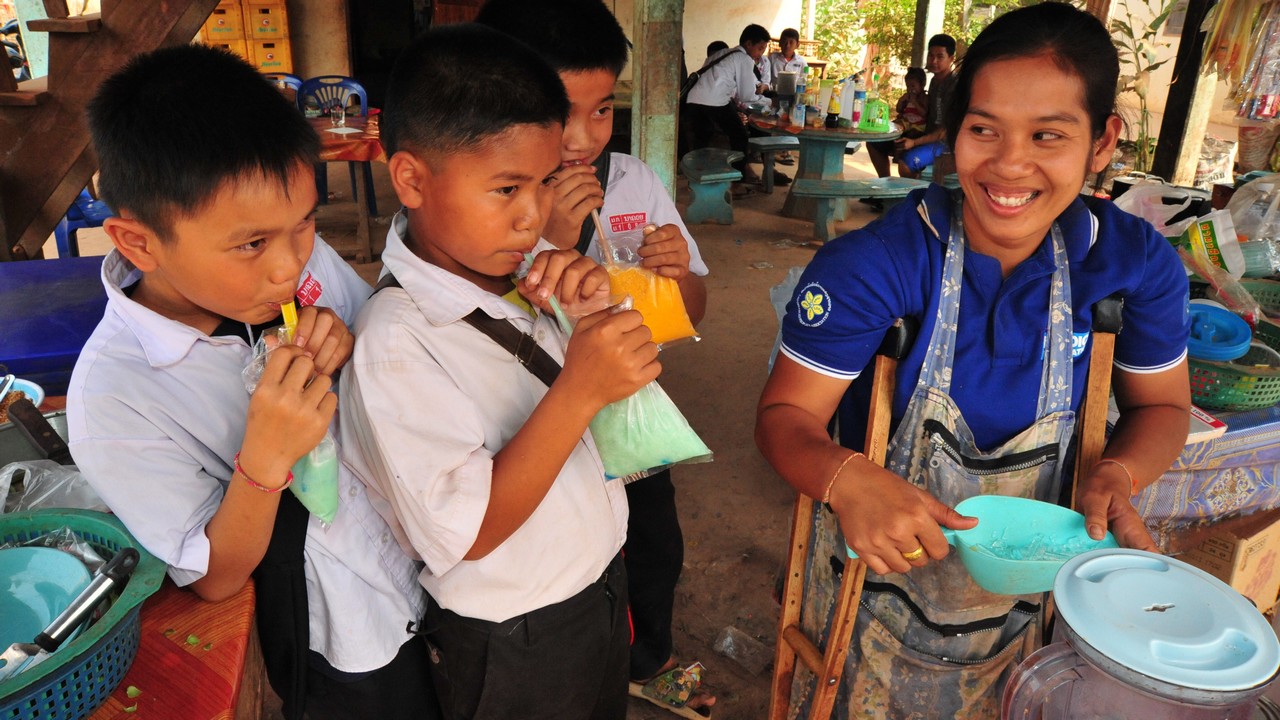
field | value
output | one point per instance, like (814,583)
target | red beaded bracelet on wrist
(257,485)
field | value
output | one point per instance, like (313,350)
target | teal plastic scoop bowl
(1019,544)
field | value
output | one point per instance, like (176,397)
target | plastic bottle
(833,109)
(750,653)
(859,99)
(846,102)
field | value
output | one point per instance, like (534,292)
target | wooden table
(196,660)
(821,157)
(353,147)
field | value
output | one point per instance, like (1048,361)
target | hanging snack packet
(657,298)
(315,475)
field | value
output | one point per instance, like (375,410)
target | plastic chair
(324,92)
(285,81)
(85,212)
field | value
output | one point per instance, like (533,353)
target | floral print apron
(931,643)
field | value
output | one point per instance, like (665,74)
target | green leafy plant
(1139,45)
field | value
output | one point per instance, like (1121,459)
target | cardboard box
(1247,557)
(271,55)
(265,22)
(225,23)
(236,47)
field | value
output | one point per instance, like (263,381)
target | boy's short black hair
(916,74)
(572,35)
(944,41)
(753,34)
(173,126)
(790,33)
(456,86)
(716,46)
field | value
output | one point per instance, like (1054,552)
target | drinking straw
(290,312)
(605,250)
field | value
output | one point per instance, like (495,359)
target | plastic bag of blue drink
(644,433)
(315,475)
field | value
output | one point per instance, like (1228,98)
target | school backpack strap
(694,76)
(588,225)
(281,610)
(520,344)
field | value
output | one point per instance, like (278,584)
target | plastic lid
(1167,620)
(1217,334)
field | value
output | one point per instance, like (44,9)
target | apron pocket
(885,678)
(1018,474)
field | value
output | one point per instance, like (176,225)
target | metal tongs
(23,656)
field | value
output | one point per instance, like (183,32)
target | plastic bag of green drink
(644,433)
(315,475)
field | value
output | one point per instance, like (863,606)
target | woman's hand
(1103,498)
(885,518)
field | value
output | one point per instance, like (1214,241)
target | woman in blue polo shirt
(1003,276)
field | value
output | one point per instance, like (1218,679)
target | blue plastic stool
(85,212)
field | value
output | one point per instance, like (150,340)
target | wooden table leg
(364,250)
(252,681)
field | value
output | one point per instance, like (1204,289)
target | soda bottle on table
(833,110)
(859,98)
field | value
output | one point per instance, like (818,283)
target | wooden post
(1186,111)
(659,29)
(929,15)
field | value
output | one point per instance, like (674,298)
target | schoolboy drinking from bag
(583,41)
(215,230)
(484,464)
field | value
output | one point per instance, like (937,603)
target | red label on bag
(627,221)
(309,291)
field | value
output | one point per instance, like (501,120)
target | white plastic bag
(1147,200)
(46,484)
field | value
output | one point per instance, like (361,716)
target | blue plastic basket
(77,679)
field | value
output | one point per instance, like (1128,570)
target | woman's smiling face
(1022,153)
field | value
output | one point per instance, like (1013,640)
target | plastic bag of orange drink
(657,298)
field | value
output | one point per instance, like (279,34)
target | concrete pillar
(319,38)
(655,78)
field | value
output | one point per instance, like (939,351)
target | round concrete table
(821,157)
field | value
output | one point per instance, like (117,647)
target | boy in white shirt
(728,80)
(487,470)
(583,41)
(215,229)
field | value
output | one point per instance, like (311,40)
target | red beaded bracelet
(257,485)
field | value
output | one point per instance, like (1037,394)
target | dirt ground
(734,510)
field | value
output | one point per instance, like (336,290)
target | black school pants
(654,555)
(566,661)
(400,690)
(704,120)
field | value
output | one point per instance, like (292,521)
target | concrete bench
(709,174)
(768,147)
(891,190)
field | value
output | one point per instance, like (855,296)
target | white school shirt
(156,411)
(427,401)
(778,64)
(731,79)
(635,197)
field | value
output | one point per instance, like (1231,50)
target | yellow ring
(914,554)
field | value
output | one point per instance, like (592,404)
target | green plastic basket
(77,679)
(1240,384)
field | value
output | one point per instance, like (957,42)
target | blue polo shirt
(858,284)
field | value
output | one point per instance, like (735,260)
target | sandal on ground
(786,158)
(676,691)
(781,179)
(740,190)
